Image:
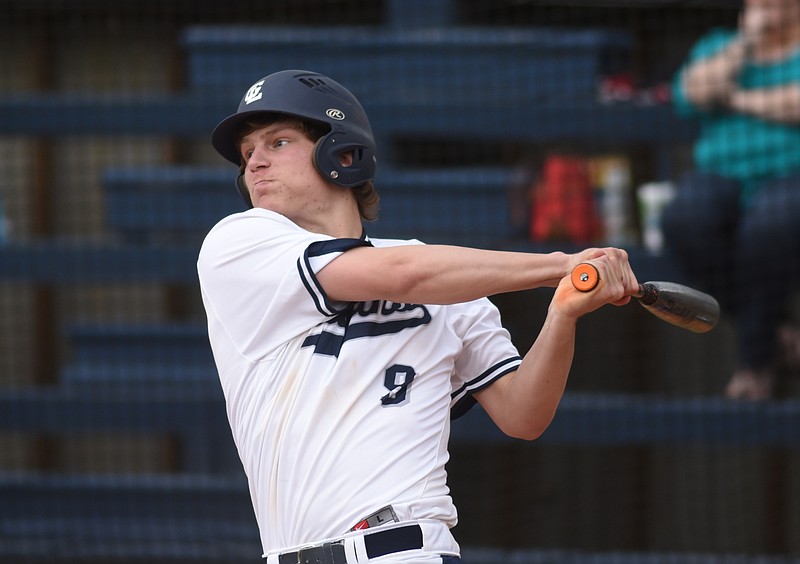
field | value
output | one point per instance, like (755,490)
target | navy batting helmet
(314,97)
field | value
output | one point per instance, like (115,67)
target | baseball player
(342,357)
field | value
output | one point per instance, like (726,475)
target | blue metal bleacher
(193,115)
(615,419)
(162,343)
(180,204)
(168,204)
(166,358)
(417,67)
(194,415)
(70,262)
(151,518)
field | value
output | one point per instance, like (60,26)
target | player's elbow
(523,436)
(526,430)
(514,414)
(526,434)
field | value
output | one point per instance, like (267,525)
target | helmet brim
(225,137)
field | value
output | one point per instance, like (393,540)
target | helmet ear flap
(241,187)
(326,160)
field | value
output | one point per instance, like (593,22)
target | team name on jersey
(364,320)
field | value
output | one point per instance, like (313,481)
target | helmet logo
(333,113)
(254,93)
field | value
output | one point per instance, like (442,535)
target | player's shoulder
(255,222)
(254,218)
(253,229)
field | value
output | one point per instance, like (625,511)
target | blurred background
(506,124)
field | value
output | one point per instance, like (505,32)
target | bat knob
(585,277)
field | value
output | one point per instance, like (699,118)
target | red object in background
(621,88)
(564,207)
(616,88)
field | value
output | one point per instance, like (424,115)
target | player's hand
(616,286)
(616,258)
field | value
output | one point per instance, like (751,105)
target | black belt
(379,543)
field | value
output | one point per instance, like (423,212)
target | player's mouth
(262,181)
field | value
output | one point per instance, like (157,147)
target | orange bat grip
(585,277)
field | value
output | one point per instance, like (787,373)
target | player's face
(280,173)
(777,12)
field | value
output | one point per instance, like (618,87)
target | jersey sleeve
(487,355)
(316,256)
(257,273)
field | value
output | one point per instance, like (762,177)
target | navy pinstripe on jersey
(320,248)
(463,398)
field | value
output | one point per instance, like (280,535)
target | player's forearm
(779,104)
(437,274)
(525,403)
(442,274)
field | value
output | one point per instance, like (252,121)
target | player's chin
(266,200)
(259,192)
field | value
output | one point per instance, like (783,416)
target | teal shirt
(740,147)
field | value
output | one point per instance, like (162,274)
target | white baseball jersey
(337,409)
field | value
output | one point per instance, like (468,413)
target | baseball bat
(674,303)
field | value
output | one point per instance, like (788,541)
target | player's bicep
(358,275)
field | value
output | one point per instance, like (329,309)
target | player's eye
(280,143)
(246,149)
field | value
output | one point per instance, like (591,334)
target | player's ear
(346,158)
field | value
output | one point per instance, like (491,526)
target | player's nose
(258,158)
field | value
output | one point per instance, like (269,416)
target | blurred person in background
(735,223)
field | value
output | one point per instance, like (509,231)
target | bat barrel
(680,305)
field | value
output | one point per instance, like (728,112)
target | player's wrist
(566,307)
(570,261)
(565,315)
(562,263)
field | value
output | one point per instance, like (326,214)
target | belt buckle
(380,517)
(326,553)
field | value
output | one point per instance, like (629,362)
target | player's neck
(337,221)
(336,230)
